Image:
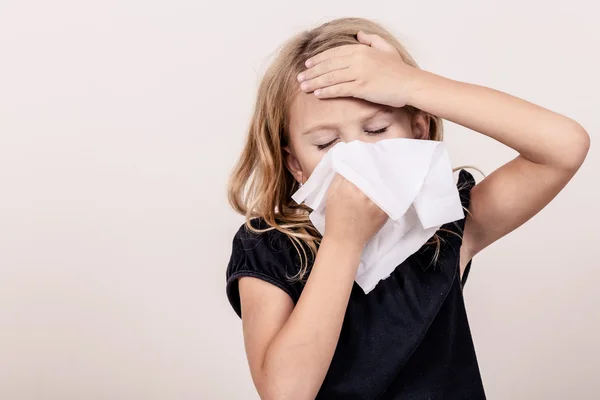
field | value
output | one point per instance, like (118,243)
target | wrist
(343,245)
(419,87)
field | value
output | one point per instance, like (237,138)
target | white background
(119,124)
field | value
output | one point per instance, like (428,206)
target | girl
(309,330)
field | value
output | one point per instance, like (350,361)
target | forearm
(299,356)
(538,134)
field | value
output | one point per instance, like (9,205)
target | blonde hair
(260,184)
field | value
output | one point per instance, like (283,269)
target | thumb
(375,41)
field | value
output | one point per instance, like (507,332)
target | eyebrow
(334,126)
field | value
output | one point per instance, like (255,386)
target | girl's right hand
(351,216)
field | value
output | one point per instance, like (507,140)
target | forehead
(307,110)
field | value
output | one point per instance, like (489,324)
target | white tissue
(409,179)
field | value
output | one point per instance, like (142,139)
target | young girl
(309,330)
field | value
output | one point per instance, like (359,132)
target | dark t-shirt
(409,338)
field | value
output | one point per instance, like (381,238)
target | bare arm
(290,348)
(551,149)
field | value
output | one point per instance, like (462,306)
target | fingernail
(308,63)
(318,92)
(300,77)
(304,86)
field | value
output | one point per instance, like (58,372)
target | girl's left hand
(372,70)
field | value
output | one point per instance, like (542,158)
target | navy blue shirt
(408,338)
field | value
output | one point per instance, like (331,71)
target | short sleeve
(269,256)
(466,182)
(452,233)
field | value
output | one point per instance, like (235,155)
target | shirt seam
(246,272)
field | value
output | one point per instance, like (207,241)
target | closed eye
(370,133)
(326,145)
(378,131)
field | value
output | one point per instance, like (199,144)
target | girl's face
(318,124)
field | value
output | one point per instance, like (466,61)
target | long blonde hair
(260,184)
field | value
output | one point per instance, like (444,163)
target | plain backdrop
(120,122)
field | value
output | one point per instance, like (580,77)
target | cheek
(308,159)
(312,160)
(398,132)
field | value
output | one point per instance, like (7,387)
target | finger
(331,64)
(330,53)
(375,41)
(328,79)
(346,89)
(334,186)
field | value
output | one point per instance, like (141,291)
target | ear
(293,164)
(420,125)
